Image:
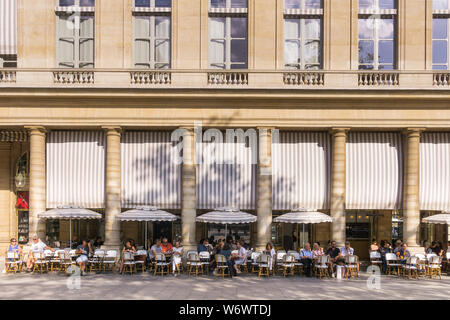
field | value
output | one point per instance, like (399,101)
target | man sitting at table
(156,248)
(83,250)
(335,255)
(166,246)
(306,256)
(36,246)
(239,259)
(402,253)
(347,250)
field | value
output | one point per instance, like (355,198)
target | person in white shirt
(347,250)
(241,256)
(176,258)
(36,246)
(270,251)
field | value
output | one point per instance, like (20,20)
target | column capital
(112,130)
(36,129)
(336,131)
(411,132)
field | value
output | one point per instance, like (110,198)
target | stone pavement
(145,286)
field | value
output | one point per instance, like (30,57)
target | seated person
(384,248)
(36,246)
(335,255)
(74,242)
(374,245)
(306,257)
(98,242)
(225,250)
(13,247)
(127,248)
(402,253)
(176,258)
(166,246)
(84,249)
(347,250)
(317,251)
(240,258)
(203,246)
(156,248)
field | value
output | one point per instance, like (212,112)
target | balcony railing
(225,79)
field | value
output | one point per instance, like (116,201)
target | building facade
(342,106)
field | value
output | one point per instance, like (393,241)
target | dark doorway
(161,230)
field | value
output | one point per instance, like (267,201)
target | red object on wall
(22,200)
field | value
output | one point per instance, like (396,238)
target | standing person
(36,246)
(84,249)
(271,252)
(306,256)
(241,256)
(294,240)
(176,258)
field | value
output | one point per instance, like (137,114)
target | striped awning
(374,170)
(14,136)
(435,171)
(304,216)
(301,170)
(70,212)
(226,175)
(151,172)
(76,169)
(227,216)
(8,27)
(146,213)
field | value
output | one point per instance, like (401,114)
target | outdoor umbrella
(303,216)
(227,216)
(443,218)
(70,213)
(145,214)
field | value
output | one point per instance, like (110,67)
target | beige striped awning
(14,135)
(8,27)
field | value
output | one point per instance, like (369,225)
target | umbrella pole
(303,235)
(145,245)
(226,231)
(70,233)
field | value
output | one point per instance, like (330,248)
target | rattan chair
(321,267)
(140,260)
(410,268)
(65,260)
(13,263)
(222,266)
(110,261)
(351,266)
(195,265)
(40,262)
(95,262)
(205,258)
(254,261)
(128,262)
(263,265)
(160,265)
(392,264)
(434,267)
(288,265)
(375,258)
(298,264)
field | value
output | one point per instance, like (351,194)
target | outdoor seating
(321,267)
(205,258)
(222,266)
(40,263)
(13,262)
(110,260)
(410,268)
(288,265)
(254,261)
(434,267)
(298,265)
(195,265)
(128,262)
(351,266)
(161,266)
(421,265)
(263,265)
(65,260)
(279,260)
(375,258)
(96,260)
(187,260)
(55,260)
(392,264)
(140,258)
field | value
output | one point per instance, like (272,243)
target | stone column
(264,189)
(188,191)
(113,187)
(37,181)
(411,204)
(337,208)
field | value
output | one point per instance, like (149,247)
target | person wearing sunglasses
(13,247)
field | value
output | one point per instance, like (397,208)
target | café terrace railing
(220,79)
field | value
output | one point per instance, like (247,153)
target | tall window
(303,34)
(377,34)
(75,33)
(8,33)
(228,33)
(441,30)
(152,29)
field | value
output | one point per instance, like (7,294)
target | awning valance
(68,213)
(146,214)
(227,216)
(226,175)
(151,172)
(304,217)
(8,27)
(435,171)
(374,170)
(301,170)
(76,169)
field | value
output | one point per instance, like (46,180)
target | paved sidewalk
(146,286)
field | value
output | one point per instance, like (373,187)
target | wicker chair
(140,260)
(321,267)
(392,263)
(13,263)
(254,261)
(351,266)
(222,266)
(434,267)
(65,260)
(263,265)
(279,261)
(110,261)
(288,265)
(410,268)
(40,262)
(128,262)
(298,264)
(195,265)
(205,258)
(161,266)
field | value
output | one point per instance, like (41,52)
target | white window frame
(302,14)
(443,14)
(228,13)
(377,15)
(152,12)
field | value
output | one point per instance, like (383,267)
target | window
(152,29)
(8,33)
(228,30)
(75,33)
(441,24)
(302,34)
(377,34)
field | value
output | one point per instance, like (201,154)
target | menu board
(23,226)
